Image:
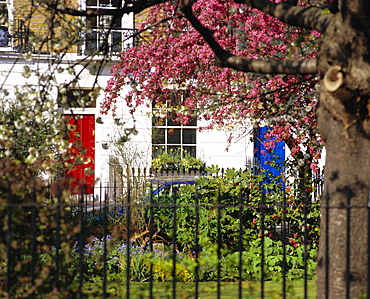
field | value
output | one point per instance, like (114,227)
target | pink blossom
(175,55)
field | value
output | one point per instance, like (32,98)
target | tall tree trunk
(344,122)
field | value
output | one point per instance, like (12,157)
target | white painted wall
(213,148)
(211,145)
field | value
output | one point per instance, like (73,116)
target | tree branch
(226,59)
(293,67)
(310,17)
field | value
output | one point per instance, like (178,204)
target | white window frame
(121,38)
(9,23)
(166,146)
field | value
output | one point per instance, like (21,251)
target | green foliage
(26,136)
(39,256)
(179,159)
(251,258)
(137,267)
(33,227)
(274,260)
(248,208)
(163,270)
(160,264)
(32,135)
(229,189)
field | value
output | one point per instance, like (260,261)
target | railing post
(368,243)
(240,243)
(57,237)
(218,243)
(128,242)
(151,233)
(174,253)
(305,236)
(33,239)
(263,244)
(196,199)
(81,243)
(348,244)
(9,279)
(327,244)
(105,251)
(284,241)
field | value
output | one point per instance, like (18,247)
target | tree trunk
(344,122)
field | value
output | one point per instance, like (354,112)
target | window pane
(104,3)
(171,120)
(173,148)
(191,150)
(189,136)
(92,22)
(193,123)
(4,36)
(117,24)
(91,2)
(174,136)
(158,136)
(3,13)
(171,123)
(158,122)
(116,41)
(115,3)
(91,41)
(105,21)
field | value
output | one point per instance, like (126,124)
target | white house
(100,132)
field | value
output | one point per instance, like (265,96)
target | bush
(161,263)
(36,239)
(244,205)
(178,159)
(246,210)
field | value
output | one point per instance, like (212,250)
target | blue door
(271,161)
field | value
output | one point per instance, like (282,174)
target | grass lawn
(207,290)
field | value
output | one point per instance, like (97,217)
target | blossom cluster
(175,68)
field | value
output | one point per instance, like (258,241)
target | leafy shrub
(248,209)
(140,263)
(160,265)
(39,261)
(178,159)
(244,205)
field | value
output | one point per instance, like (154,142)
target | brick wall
(139,19)
(53,32)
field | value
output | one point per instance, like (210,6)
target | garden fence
(169,236)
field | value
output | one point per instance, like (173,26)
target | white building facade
(103,131)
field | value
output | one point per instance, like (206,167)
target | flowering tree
(343,66)
(176,69)
(342,112)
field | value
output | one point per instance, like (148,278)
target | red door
(82,136)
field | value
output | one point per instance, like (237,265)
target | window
(14,33)
(4,22)
(168,134)
(78,98)
(107,33)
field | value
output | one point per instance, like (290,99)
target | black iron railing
(158,238)
(98,41)
(21,37)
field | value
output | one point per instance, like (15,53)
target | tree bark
(310,17)
(344,121)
